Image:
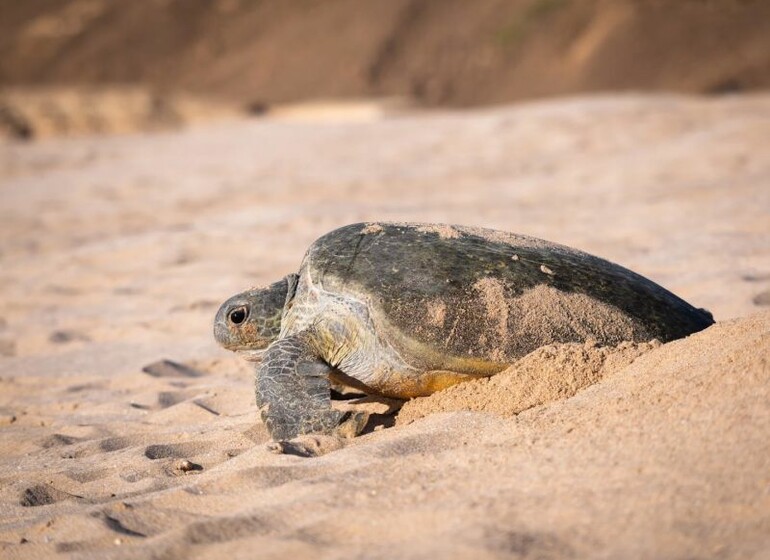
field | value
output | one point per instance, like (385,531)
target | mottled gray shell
(477,293)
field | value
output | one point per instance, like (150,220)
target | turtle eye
(238,315)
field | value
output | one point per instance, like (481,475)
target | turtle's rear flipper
(292,388)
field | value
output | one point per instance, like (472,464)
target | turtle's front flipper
(292,387)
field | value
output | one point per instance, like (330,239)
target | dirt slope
(438,51)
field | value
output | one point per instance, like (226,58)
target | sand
(550,373)
(126,433)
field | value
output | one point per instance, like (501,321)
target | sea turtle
(403,310)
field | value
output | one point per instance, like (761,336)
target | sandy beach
(125,432)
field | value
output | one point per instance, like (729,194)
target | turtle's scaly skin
(403,310)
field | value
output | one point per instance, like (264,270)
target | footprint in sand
(56,440)
(81,449)
(43,495)
(177,450)
(169,368)
(67,335)
(762,299)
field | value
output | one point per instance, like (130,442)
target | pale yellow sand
(116,252)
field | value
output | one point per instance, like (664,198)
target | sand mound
(553,372)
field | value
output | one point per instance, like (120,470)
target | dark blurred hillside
(453,52)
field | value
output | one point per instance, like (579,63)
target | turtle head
(251,320)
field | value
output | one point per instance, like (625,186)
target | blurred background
(73,66)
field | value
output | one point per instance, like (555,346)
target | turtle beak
(222,334)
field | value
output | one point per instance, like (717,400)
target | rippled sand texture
(126,433)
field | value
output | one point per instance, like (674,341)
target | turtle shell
(438,292)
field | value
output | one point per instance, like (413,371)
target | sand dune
(126,433)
